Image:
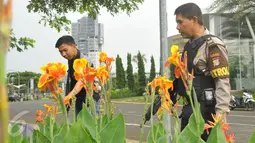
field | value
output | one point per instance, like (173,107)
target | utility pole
(239,54)
(163,56)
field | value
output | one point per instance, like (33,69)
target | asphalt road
(242,122)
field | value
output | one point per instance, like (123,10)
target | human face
(68,51)
(184,26)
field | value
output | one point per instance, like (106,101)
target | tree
(239,8)
(22,78)
(135,58)
(236,12)
(153,70)
(120,74)
(141,74)
(130,76)
(53,13)
(20,44)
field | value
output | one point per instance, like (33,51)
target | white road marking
(241,116)
(148,126)
(137,125)
(240,124)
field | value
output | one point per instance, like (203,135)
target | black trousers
(78,105)
(206,113)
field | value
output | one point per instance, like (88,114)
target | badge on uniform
(209,97)
(216,62)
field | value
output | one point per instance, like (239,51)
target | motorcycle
(246,101)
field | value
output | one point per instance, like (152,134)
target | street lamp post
(239,49)
(163,56)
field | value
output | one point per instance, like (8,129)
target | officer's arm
(219,69)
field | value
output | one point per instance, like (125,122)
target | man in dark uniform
(67,48)
(207,56)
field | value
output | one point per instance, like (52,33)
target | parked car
(12,97)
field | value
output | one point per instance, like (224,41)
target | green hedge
(122,93)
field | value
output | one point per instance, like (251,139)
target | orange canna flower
(90,75)
(102,74)
(108,60)
(84,73)
(175,57)
(6,12)
(164,84)
(39,116)
(219,119)
(230,138)
(52,73)
(102,56)
(166,104)
(48,108)
(80,65)
(155,83)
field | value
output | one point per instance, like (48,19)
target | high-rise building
(89,37)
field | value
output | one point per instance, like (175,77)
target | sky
(123,34)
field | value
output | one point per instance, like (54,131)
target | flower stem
(196,108)
(153,97)
(144,111)
(107,106)
(63,109)
(73,109)
(93,110)
(51,128)
(4,111)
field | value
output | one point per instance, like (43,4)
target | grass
(137,99)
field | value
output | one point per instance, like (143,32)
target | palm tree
(135,59)
(239,8)
(242,13)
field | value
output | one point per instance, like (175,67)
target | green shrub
(122,93)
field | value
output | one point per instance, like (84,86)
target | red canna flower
(39,116)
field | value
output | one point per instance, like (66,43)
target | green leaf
(103,121)
(217,135)
(46,131)
(162,139)
(47,123)
(158,133)
(41,127)
(15,134)
(78,134)
(25,140)
(86,120)
(190,132)
(193,124)
(38,137)
(252,139)
(114,131)
(62,133)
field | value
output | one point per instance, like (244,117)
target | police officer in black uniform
(207,57)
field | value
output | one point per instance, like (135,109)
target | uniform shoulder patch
(218,62)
